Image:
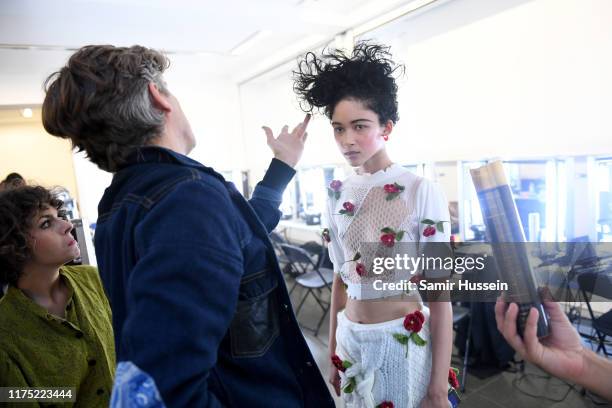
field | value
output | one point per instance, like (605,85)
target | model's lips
(351,154)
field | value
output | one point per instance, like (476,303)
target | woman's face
(52,244)
(358,131)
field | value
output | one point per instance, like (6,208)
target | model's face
(51,241)
(358,132)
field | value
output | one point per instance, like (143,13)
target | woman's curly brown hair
(18,207)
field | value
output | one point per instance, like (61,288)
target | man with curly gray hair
(200,307)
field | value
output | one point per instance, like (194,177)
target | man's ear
(159,99)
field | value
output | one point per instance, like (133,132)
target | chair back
(598,284)
(297,255)
(276,238)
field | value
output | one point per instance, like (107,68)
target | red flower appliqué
(430,230)
(385,404)
(393,190)
(334,189)
(360,269)
(337,362)
(342,366)
(414,321)
(387,239)
(452,378)
(348,209)
(389,236)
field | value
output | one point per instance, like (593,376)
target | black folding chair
(313,278)
(598,284)
(277,239)
(461,314)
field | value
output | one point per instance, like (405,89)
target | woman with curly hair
(386,347)
(55,320)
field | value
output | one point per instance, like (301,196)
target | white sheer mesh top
(393,198)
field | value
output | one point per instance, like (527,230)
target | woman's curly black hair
(18,207)
(367,75)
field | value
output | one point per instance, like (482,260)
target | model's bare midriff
(380,310)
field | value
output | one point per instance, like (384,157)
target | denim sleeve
(182,292)
(268,193)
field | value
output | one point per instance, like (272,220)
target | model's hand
(334,378)
(288,147)
(435,400)
(560,353)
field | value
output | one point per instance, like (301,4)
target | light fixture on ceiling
(249,42)
(26,113)
(401,11)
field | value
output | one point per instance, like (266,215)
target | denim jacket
(199,302)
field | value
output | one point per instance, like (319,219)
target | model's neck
(379,161)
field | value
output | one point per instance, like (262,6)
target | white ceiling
(36,36)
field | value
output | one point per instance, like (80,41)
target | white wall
(530,81)
(210,104)
(272,102)
(41,159)
(521,79)
(446,174)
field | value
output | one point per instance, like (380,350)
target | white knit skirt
(383,369)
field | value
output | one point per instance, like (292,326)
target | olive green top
(38,349)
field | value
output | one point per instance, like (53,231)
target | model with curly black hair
(55,320)
(381,351)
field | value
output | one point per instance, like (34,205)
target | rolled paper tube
(505,233)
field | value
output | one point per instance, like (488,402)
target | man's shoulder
(153,182)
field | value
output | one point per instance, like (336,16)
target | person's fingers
(530,336)
(554,310)
(509,329)
(300,128)
(269,134)
(500,311)
(334,380)
(337,384)
(306,121)
(297,130)
(305,137)
(284,129)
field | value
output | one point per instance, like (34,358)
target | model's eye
(360,127)
(338,130)
(46,224)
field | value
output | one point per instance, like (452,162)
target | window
(603,187)
(471,224)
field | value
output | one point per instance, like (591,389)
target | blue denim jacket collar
(158,154)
